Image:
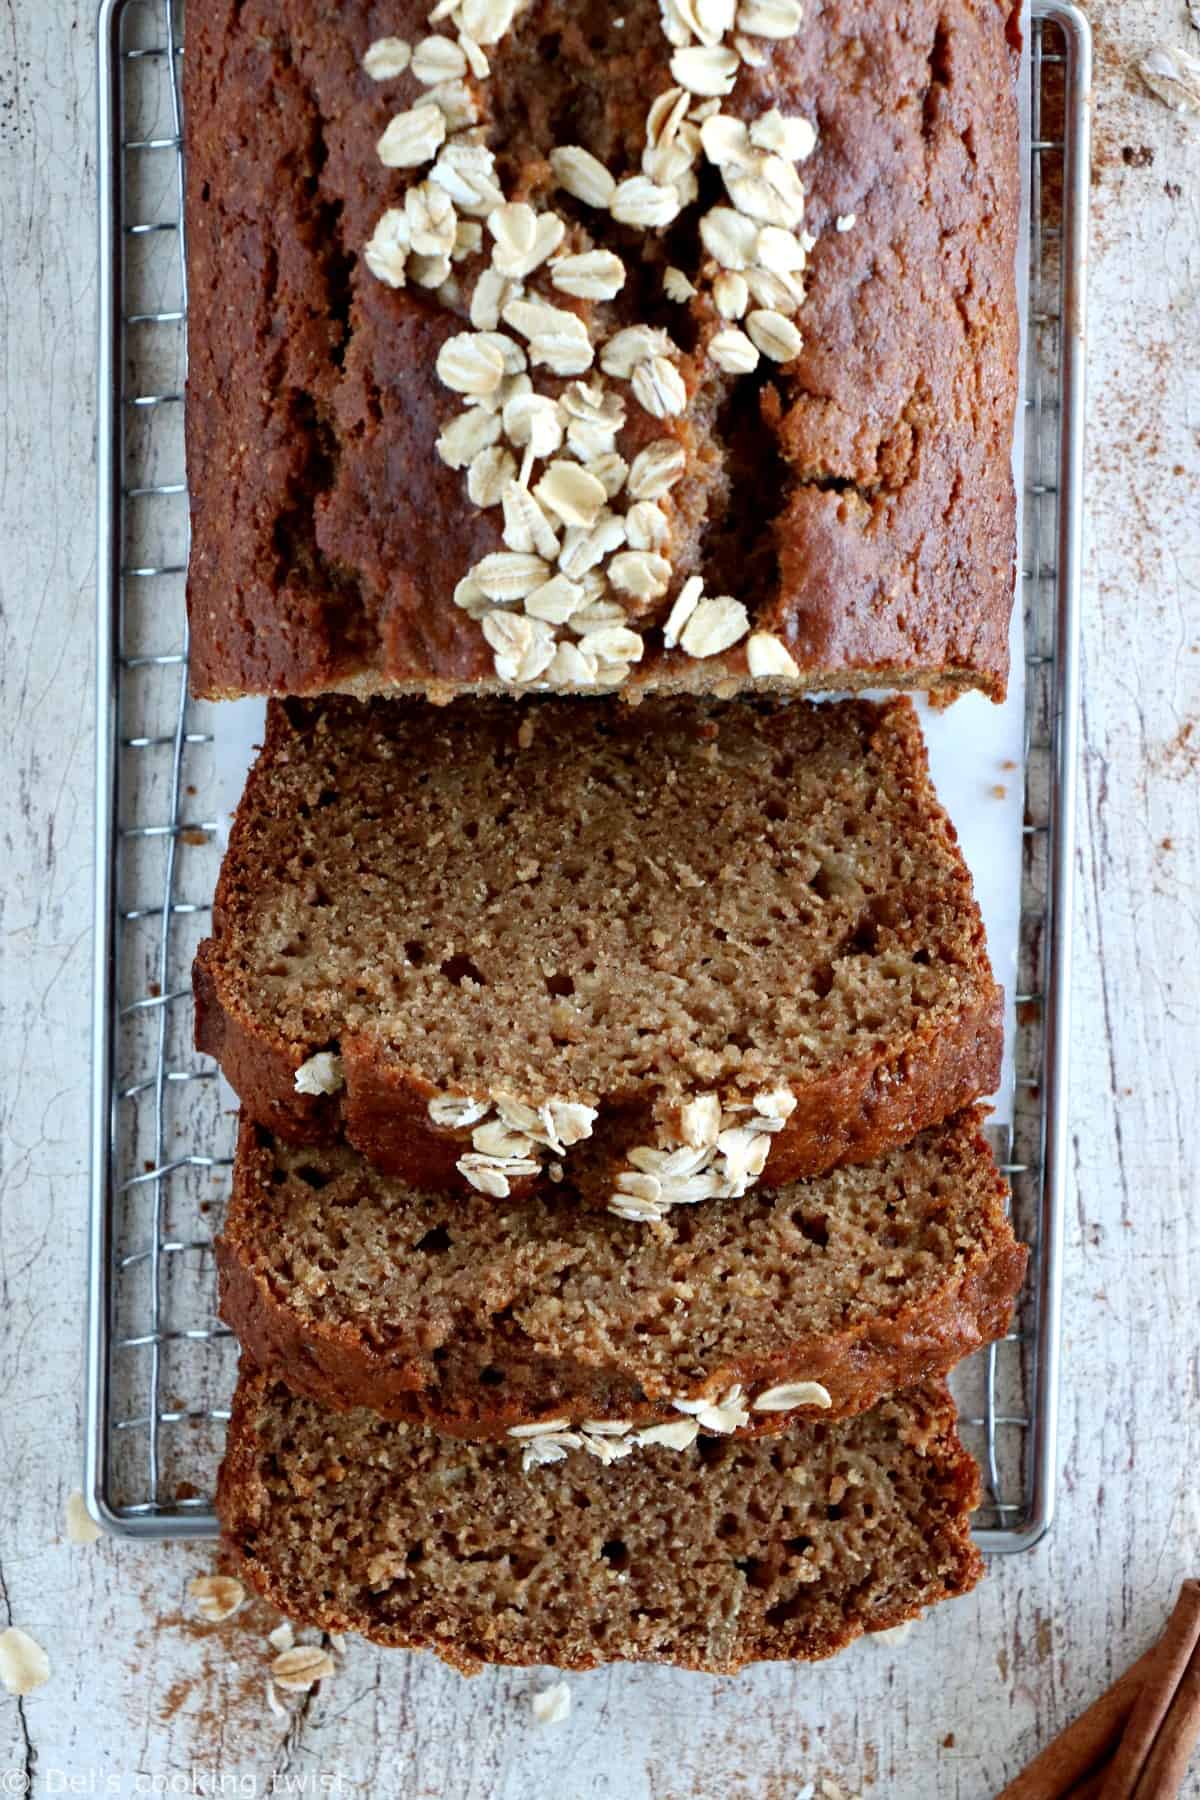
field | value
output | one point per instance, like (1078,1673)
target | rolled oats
(510,575)
(769,18)
(217,1597)
(432,221)
(729,237)
(320,1074)
(552,1704)
(524,238)
(438,59)
(774,335)
(534,419)
(705,69)
(733,351)
(562,352)
(640,573)
(300,1668)
(676,1434)
(387,58)
(792,1393)
(456,1111)
(574,495)
(386,251)
(787,133)
(592,275)
(714,626)
(613,644)
(640,202)
(656,469)
(470,362)
(412,138)
(723,1416)
(489,474)
(468,174)
(583,175)
(526,526)
(700,1121)
(24,1665)
(454,100)
(573,666)
(466,436)
(583,550)
(477,62)
(725,139)
(768,655)
(555,600)
(646,526)
(677,287)
(660,388)
(487,21)
(685,605)
(731,295)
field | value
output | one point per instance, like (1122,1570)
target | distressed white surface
(139,1694)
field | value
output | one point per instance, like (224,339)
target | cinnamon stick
(1178,1736)
(1089,1788)
(1170,1659)
(1076,1752)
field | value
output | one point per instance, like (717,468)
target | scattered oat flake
(1173,76)
(217,1597)
(552,1704)
(24,1665)
(386,58)
(283,1637)
(81,1527)
(846,221)
(298,1669)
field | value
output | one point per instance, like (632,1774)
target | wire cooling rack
(160,1365)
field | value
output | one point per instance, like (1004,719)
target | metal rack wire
(160,1366)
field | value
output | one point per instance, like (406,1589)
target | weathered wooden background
(144,1699)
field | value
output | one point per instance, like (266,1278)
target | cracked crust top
(857,498)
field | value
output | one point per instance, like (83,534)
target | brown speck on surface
(194,837)
(1137,156)
(948,1741)
(998,791)
(154,989)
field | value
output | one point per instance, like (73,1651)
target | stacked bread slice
(609,1164)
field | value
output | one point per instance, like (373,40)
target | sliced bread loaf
(473,938)
(474,1314)
(735,1550)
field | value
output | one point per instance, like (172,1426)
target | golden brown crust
(256,1505)
(354,1360)
(859,499)
(875,1099)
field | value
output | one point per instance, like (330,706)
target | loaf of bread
(487,942)
(734,1550)
(475,1315)
(558,345)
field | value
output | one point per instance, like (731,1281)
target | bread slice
(602,914)
(733,1551)
(474,1315)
